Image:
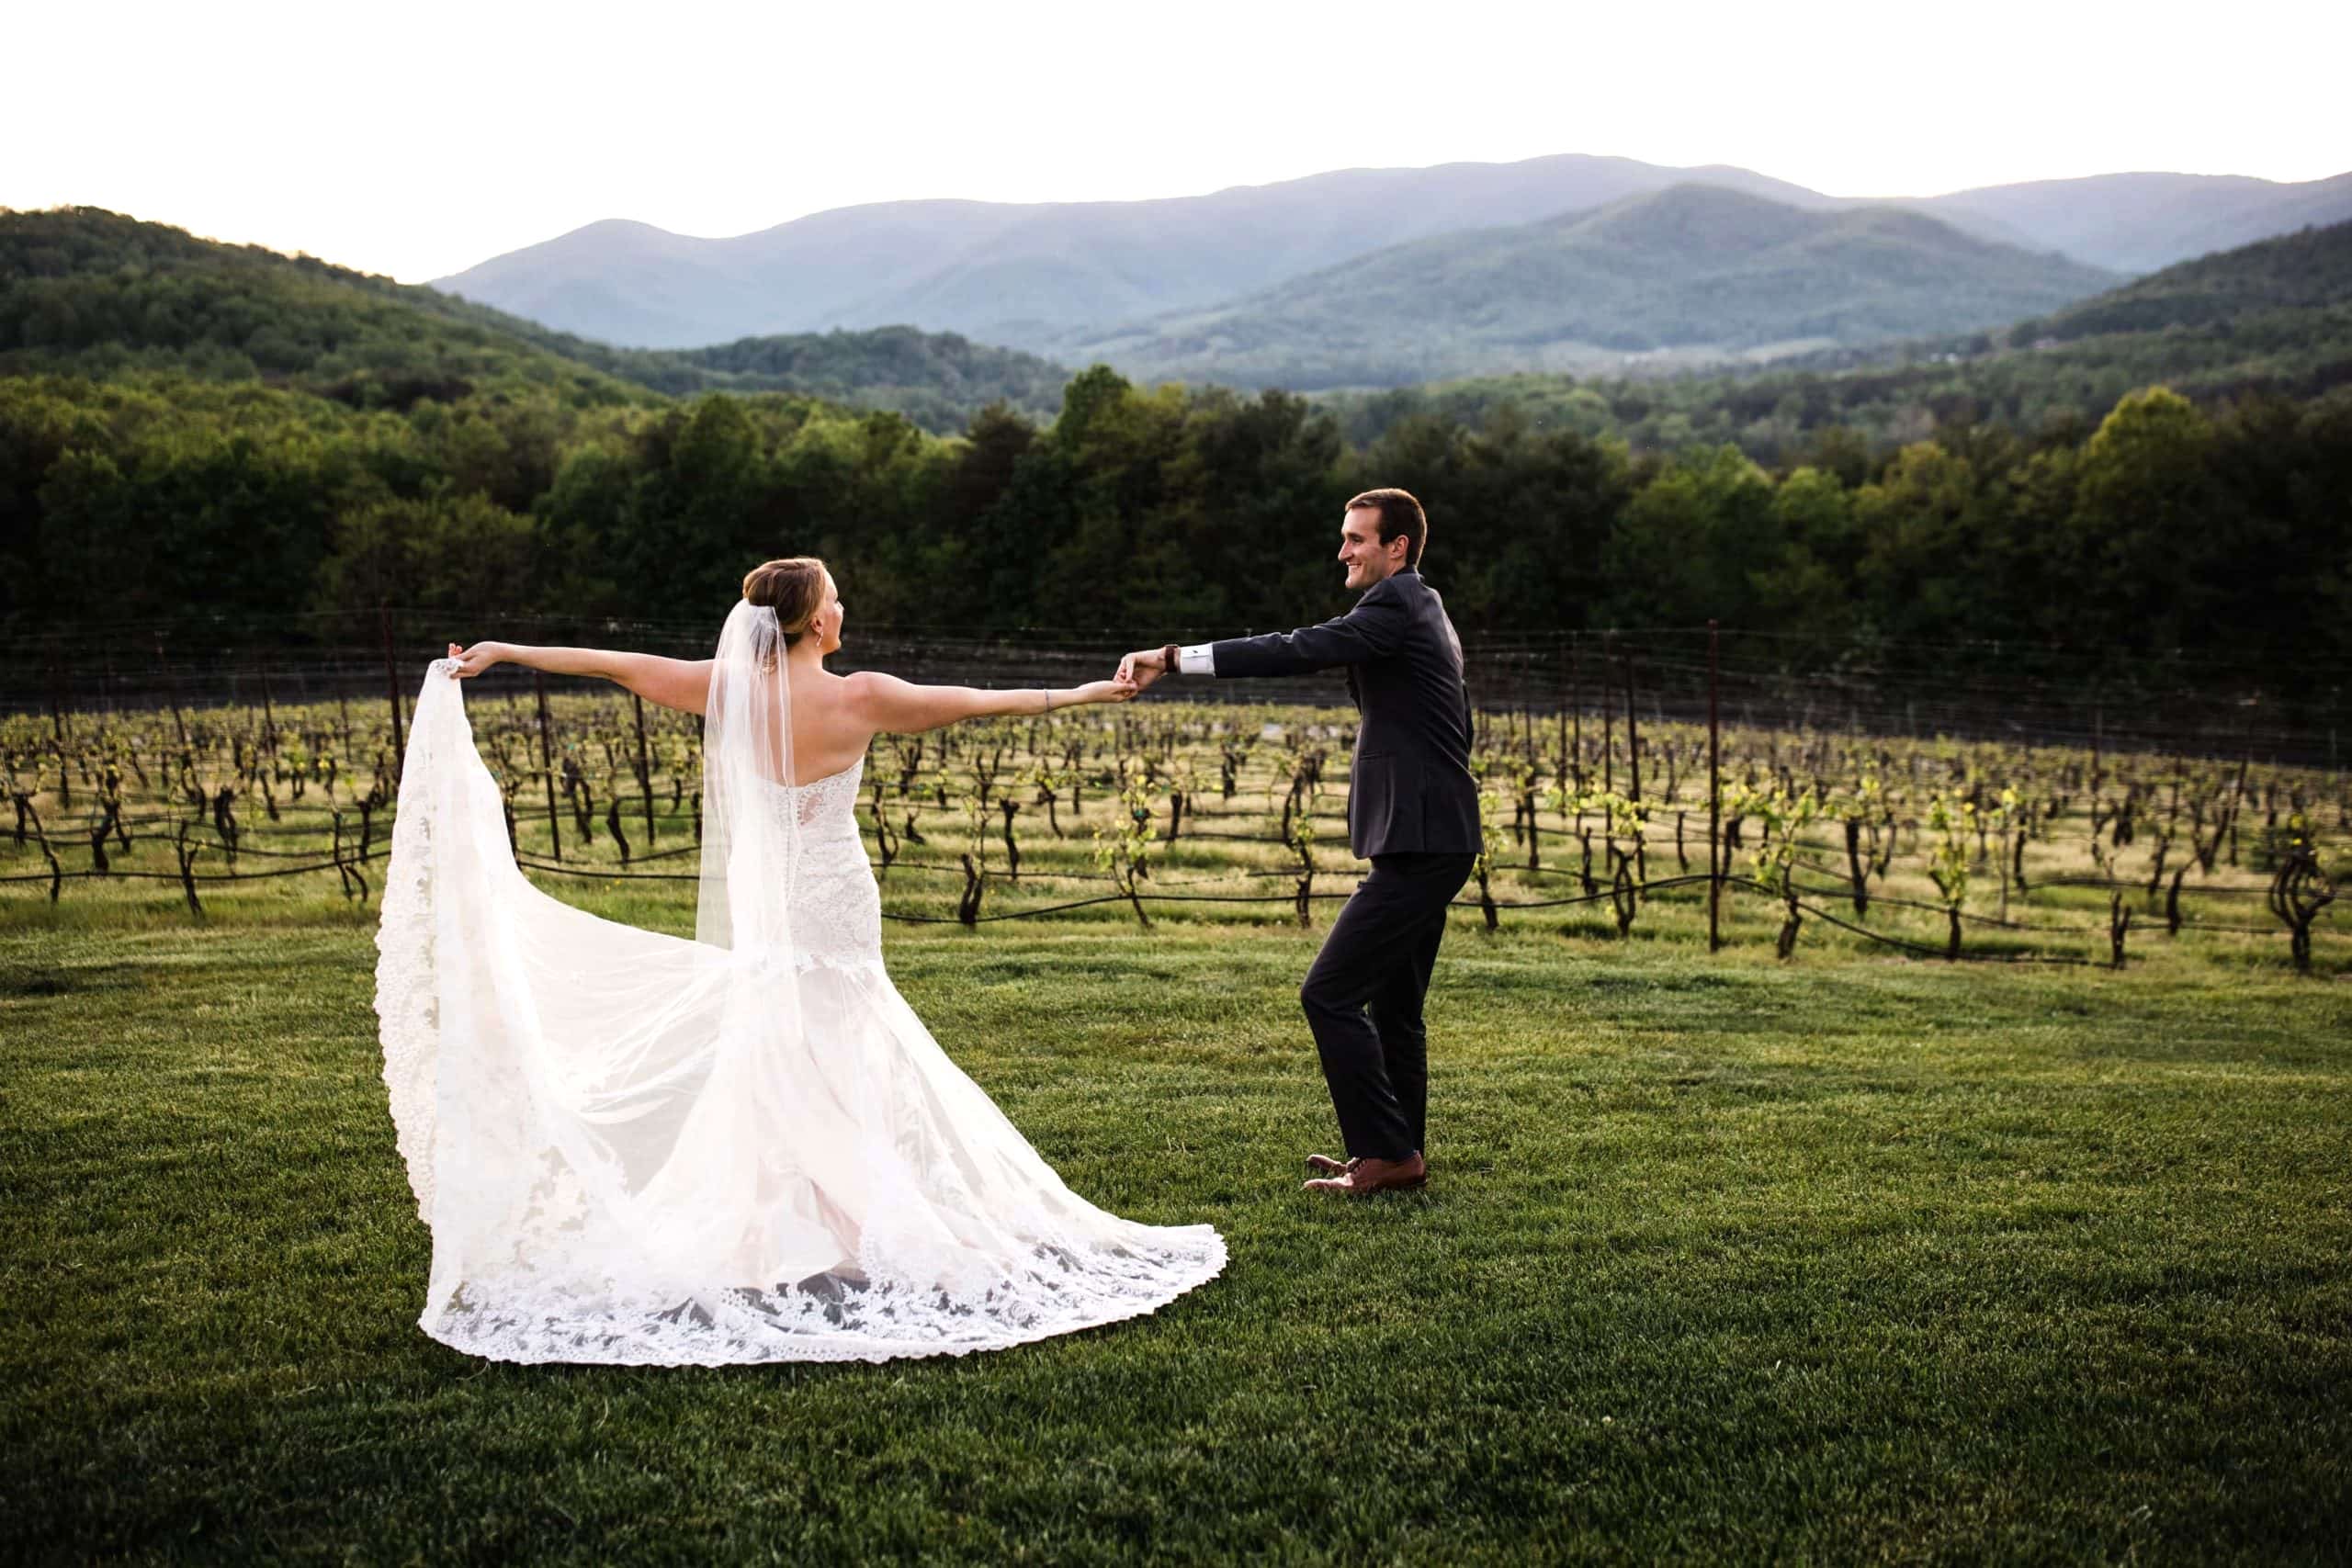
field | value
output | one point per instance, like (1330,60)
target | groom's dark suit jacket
(1410,787)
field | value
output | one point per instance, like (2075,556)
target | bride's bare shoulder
(867,687)
(885,702)
(823,683)
(863,700)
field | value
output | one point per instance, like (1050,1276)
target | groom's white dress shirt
(1198,660)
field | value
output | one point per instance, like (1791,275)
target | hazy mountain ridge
(2143,223)
(1694,267)
(1033,276)
(1024,275)
(93,294)
(2268,321)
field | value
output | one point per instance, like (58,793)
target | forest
(261,439)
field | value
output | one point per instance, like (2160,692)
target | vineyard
(1602,823)
(1781,1207)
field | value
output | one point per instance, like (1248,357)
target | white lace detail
(409,1025)
(836,907)
(634,1149)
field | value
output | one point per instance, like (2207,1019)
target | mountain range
(2266,324)
(89,294)
(1052,277)
(1690,273)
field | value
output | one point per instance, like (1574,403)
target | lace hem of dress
(407,1011)
(832,1317)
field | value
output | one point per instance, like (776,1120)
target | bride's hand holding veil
(475,659)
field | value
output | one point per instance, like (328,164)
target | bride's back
(827,731)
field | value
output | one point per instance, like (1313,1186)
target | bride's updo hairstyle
(794,588)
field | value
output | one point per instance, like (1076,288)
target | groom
(1412,812)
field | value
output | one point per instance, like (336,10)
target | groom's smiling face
(1368,559)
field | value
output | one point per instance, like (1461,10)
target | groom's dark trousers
(1413,812)
(1364,996)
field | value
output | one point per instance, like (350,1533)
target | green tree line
(193,427)
(1171,511)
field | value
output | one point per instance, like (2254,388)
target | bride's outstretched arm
(682,683)
(901,708)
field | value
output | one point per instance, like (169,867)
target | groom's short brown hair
(1399,513)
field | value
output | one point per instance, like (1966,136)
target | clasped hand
(1142,666)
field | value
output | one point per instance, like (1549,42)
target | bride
(633,1147)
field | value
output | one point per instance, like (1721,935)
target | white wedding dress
(745,1147)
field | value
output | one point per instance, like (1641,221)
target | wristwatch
(1172,660)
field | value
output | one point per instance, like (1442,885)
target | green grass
(1851,1259)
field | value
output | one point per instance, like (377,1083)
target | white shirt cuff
(1198,660)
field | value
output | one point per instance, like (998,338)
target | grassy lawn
(1854,1258)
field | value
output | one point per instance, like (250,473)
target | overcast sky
(418,140)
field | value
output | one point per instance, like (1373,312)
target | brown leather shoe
(1367,1176)
(1324,1165)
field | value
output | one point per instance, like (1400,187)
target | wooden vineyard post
(547,764)
(1576,709)
(644,769)
(1562,661)
(392,693)
(1634,778)
(1633,738)
(1608,720)
(1714,802)
(1526,684)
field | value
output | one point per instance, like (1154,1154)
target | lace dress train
(633,1147)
